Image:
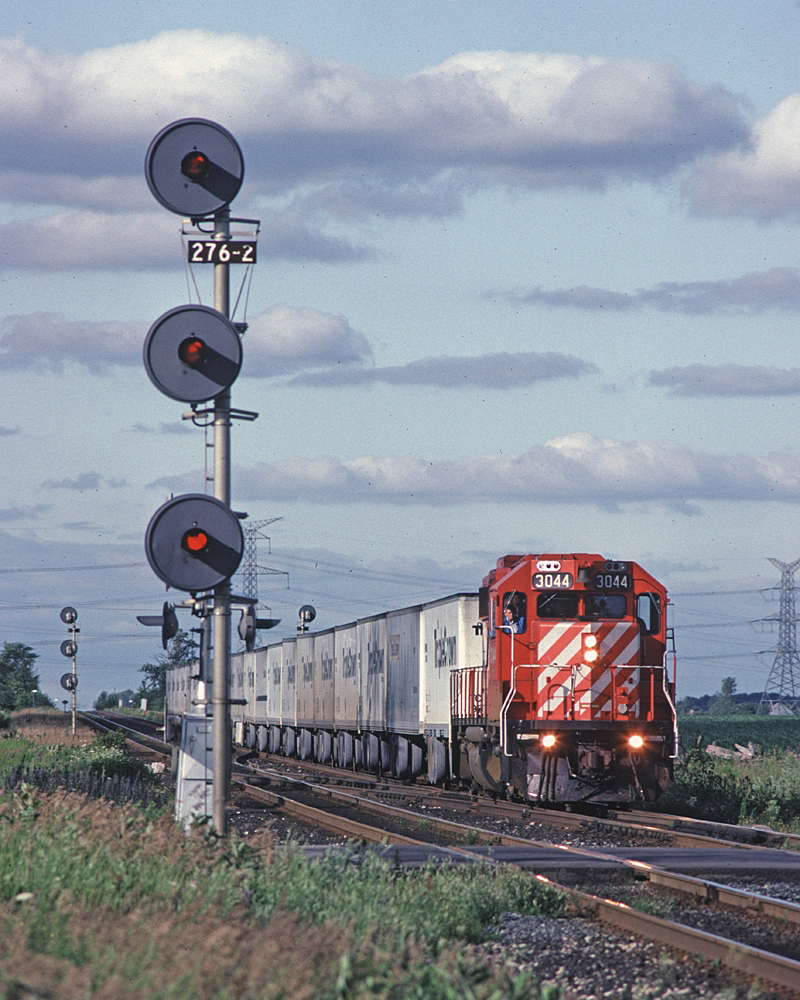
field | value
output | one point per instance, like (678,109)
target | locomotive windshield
(572,604)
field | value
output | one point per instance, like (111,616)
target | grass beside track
(102,900)
(116,902)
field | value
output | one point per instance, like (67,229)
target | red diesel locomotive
(574,701)
(551,684)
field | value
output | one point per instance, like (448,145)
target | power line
(716,593)
(72,569)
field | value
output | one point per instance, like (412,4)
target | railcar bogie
(550,684)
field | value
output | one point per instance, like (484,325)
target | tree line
(19,683)
(181,650)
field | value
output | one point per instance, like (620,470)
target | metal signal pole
(221,634)
(194,168)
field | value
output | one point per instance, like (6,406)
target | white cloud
(776,288)
(517,117)
(287,339)
(761,181)
(86,239)
(45,341)
(279,341)
(84,482)
(577,469)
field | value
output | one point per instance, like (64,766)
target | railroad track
(345,812)
(677,831)
(763,964)
(142,742)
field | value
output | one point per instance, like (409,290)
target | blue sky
(527,281)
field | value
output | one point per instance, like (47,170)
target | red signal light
(195,166)
(192,351)
(194,541)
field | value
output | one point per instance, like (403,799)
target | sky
(527,281)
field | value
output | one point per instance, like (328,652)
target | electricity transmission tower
(782,690)
(253,533)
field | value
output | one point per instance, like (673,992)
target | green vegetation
(773,733)
(98,900)
(112,699)
(764,790)
(19,685)
(101,768)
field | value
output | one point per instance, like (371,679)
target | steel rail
(134,737)
(682,831)
(743,958)
(774,838)
(739,957)
(690,885)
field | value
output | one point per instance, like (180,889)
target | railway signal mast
(194,168)
(69,648)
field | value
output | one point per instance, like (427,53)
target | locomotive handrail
(665,685)
(509,697)
(512,692)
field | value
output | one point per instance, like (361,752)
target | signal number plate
(221,252)
(552,581)
(612,581)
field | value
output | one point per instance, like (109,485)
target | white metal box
(289,683)
(305,679)
(346,676)
(450,642)
(324,681)
(403,670)
(372,643)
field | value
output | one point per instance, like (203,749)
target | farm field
(770,732)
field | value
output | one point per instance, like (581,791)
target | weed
(90,892)
(765,790)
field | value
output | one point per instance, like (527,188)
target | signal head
(247,628)
(192,353)
(194,542)
(194,167)
(169,624)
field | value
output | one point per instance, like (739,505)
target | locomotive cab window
(605,606)
(515,611)
(648,611)
(567,604)
(561,604)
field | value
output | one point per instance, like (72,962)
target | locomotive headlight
(548,740)
(590,651)
(636,742)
